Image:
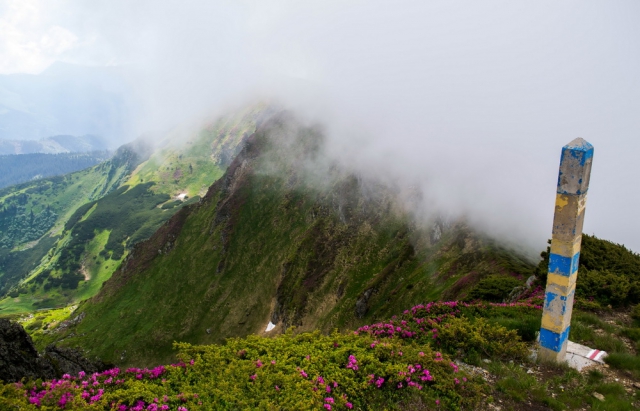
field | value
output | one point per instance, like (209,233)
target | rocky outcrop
(70,361)
(19,358)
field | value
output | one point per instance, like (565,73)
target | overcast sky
(470,100)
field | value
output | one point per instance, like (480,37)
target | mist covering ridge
(286,236)
(472,103)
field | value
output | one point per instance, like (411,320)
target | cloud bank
(471,101)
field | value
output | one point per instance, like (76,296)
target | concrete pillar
(571,197)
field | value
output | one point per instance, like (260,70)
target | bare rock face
(70,361)
(19,358)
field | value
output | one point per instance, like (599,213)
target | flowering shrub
(453,326)
(379,366)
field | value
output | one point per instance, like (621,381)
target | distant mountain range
(20,168)
(64,99)
(54,145)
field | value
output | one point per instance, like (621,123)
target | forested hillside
(33,214)
(19,168)
(91,239)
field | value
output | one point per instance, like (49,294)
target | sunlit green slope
(94,236)
(33,215)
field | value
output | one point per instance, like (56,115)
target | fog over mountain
(470,102)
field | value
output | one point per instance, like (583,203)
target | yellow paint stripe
(561,201)
(554,323)
(560,284)
(566,248)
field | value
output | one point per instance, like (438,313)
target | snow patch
(270,326)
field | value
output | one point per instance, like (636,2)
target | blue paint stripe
(583,153)
(562,265)
(570,193)
(553,341)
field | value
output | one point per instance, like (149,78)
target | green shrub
(35,325)
(604,286)
(494,288)
(480,335)
(609,273)
(294,372)
(527,327)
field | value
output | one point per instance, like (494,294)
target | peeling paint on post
(571,197)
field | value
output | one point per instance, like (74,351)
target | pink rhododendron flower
(353,363)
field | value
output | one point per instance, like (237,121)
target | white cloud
(30,40)
(471,99)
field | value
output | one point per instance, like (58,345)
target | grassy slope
(130,214)
(259,248)
(63,195)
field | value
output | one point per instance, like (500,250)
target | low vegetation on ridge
(330,266)
(435,356)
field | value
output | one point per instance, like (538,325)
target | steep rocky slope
(272,242)
(19,358)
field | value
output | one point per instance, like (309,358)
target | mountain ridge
(316,259)
(144,185)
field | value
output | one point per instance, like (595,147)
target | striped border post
(571,197)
